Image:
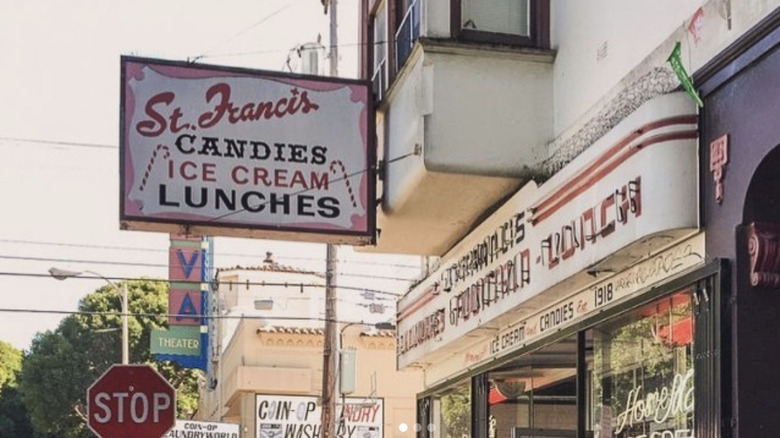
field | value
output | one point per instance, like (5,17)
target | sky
(59,129)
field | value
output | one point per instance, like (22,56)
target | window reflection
(642,382)
(535,394)
(452,412)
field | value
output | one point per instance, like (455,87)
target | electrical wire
(156,250)
(243,31)
(242,283)
(302,191)
(265,52)
(91,262)
(60,143)
(170,315)
(165,266)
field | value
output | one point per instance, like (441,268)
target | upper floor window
(516,22)
(390,29)
(507,17)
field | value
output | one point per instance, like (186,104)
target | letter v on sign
(186,264)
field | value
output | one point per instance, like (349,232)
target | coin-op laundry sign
(224,151)
(300,416)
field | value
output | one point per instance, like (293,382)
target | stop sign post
(131,401)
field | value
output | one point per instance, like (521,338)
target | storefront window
(642,372)
(452,412)
(535,395)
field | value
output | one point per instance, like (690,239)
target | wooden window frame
(539,32)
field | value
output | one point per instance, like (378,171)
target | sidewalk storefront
(641,365)
(584,307)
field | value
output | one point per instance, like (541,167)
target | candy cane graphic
(166,155)
(333,165)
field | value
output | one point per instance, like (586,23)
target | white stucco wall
(604,44)
(599,42)
(491,112)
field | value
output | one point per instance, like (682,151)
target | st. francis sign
(223,151)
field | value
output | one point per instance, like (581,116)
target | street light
(378,326)
(342,352)
(63,274)
(342,358)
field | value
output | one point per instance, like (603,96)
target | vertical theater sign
(222,151)
(190,304)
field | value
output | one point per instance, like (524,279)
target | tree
(14,422)
(456,412)
(63,363)
(10,364)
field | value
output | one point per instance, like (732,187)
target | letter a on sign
(187,307)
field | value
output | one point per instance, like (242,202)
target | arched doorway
(761,217)
(762,201)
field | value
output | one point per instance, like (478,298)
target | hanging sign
(224,151)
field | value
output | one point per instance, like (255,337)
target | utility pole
(125,333)
(330,347)
(334,38)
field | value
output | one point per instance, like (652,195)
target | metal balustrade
(407,34)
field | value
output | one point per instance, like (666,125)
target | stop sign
(131,401)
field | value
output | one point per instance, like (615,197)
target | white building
(271,335)
(557,159)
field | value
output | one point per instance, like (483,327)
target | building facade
(739,162)
(606,230)
(269,367)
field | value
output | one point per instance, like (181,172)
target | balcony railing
(407,34)
(379,80)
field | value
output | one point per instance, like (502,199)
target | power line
(265,52)
(242,31)
(91,262)
(61,143)
(167,315)
(162,266)
(156,250)
(262,204)
(78,245)
(216,283)
(303,191)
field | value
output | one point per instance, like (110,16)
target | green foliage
(185,380)
(63,363)
(14,422)
(55,376)
(456,412)
(10,365)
